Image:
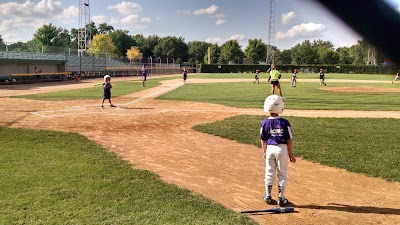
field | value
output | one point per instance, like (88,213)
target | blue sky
(214,21)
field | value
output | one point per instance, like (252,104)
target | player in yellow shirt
(274,76)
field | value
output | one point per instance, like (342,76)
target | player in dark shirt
(321,77)
(107,90)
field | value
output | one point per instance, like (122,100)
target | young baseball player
(184,75)
(256,77)
(294,78)
(107,90)
(274,76)
(144,75)
(397,77)
(321,77)
(276,142)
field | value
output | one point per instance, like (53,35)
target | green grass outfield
(328,76)
(367,146)
(49,177)
(120,88)
(307,95)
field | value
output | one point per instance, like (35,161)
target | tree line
(117,43)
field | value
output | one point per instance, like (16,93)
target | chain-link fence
(86,64)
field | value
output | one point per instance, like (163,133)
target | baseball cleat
(282,202)
(269,200)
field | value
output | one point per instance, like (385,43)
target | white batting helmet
(106,76)
(274,104)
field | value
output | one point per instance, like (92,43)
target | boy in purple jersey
(276,142)
(144,75)
(107,90)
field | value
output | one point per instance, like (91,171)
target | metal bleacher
(6,56)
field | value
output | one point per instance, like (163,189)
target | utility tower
(84,21)
(271,33)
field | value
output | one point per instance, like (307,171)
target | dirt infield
(157,136)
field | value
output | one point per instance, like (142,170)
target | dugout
(19,67)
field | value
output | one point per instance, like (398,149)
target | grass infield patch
(305,96)
(49,177)
(362,145)
(300,76)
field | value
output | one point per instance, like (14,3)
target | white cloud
(135,21)
(145,20)
(288,17)
(213,40)
(238,37)
(212,12)
(130,19)
(14,24)
(126,8)
(9,37)
(99,19)
(305,30)
(130,12)
(19,18)
(220,22)
(68,15)
(208,11)
(184,12)
(43,9)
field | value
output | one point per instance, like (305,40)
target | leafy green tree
(146,44)
(326,52)
(104,28)
(304,53)
(122,41)
(231,52)
(283,57)
(215,53)
(172,47)
(74,38)
(197,50)
(344,55)
(256,51)
(101,44)
(2,44)
(91,27)
(19,47)
(359,53)
(51,35)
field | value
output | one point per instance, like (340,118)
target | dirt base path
(157,136)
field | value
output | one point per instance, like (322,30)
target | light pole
(160,64)
(151,64)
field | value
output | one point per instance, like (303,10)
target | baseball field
(190,154)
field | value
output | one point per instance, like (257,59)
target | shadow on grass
(353,209)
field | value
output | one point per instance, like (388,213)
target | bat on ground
(273,210)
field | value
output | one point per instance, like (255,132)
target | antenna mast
(271,33)
(84,21)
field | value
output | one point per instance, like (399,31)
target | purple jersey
(144,71)
(275,130)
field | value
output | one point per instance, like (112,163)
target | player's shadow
(353,209)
